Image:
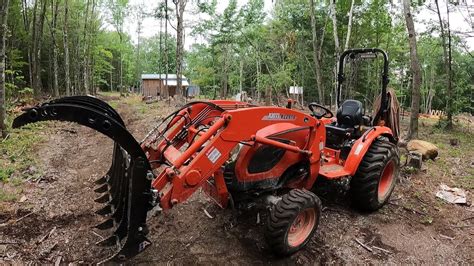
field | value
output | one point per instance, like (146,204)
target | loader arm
(200,163)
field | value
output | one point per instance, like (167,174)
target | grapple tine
(132,229)
(102,189)
(103,199)
(106,210)
(117,174)
(108,242)
(107,224)
(102,180)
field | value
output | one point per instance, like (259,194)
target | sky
(460,19)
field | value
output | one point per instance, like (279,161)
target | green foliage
(17,150)
(7,197)
(278,53)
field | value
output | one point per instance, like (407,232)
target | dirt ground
(51,223)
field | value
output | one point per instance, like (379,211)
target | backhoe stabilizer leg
(125,189)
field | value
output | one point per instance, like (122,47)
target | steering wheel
(320,111)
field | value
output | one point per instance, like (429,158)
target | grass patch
(109,93)
(17,151)
(5,196)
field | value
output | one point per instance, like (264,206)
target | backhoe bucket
(125,190)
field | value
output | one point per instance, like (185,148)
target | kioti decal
(278,116)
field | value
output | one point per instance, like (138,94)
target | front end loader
(237,153)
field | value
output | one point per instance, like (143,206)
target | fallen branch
(9,243)
(207,214)
(407,209)
(382,249)
(447,237)
(6,137)
(47,235)
(363,245)
(468,218)
(58,261)
(101,237)
(17,220)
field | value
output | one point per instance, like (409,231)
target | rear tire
(293,221)
(376,176)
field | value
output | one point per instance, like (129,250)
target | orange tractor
(237,153)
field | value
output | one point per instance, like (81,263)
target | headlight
(235,152)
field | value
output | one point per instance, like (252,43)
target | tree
(52,28)
(447,61)
(316,57)
(37,34)
(3,34)
(118,12)
(67,77)
(416,72)
(180,7)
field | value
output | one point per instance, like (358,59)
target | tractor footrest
(333,171)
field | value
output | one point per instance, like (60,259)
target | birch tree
(67,77)
(316,57)
(180,7)
(446,44)
(3,34)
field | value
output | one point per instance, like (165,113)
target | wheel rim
(301,227)
(386,180)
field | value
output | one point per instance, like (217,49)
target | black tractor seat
(350,114)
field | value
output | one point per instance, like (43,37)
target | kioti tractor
(238,153)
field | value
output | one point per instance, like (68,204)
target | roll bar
(385,79)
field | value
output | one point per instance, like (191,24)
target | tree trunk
(316,57)
(26,24)
(241,77)
(431,91)
(337,47)
(416,72)
(449,109)
(180,6)
(54,11)
(3,35)
(349,26)
(447,61)
(268,95)
(85,62)
(38,23)
(166,92)
(67,77)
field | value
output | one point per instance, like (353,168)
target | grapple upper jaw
(126,185)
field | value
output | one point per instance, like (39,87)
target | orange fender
(361,146)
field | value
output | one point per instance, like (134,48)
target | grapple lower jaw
(125,189)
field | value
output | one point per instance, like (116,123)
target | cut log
(427,149)
(415,159)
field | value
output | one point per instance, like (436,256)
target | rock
(23,198)
(452,195)
(427,149)
(454,142)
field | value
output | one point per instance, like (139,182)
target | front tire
(293,221)
(376,176)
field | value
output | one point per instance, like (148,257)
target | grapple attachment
(125,190)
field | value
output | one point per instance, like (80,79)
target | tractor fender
(363,144)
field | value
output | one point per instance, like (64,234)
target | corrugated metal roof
(161,76)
